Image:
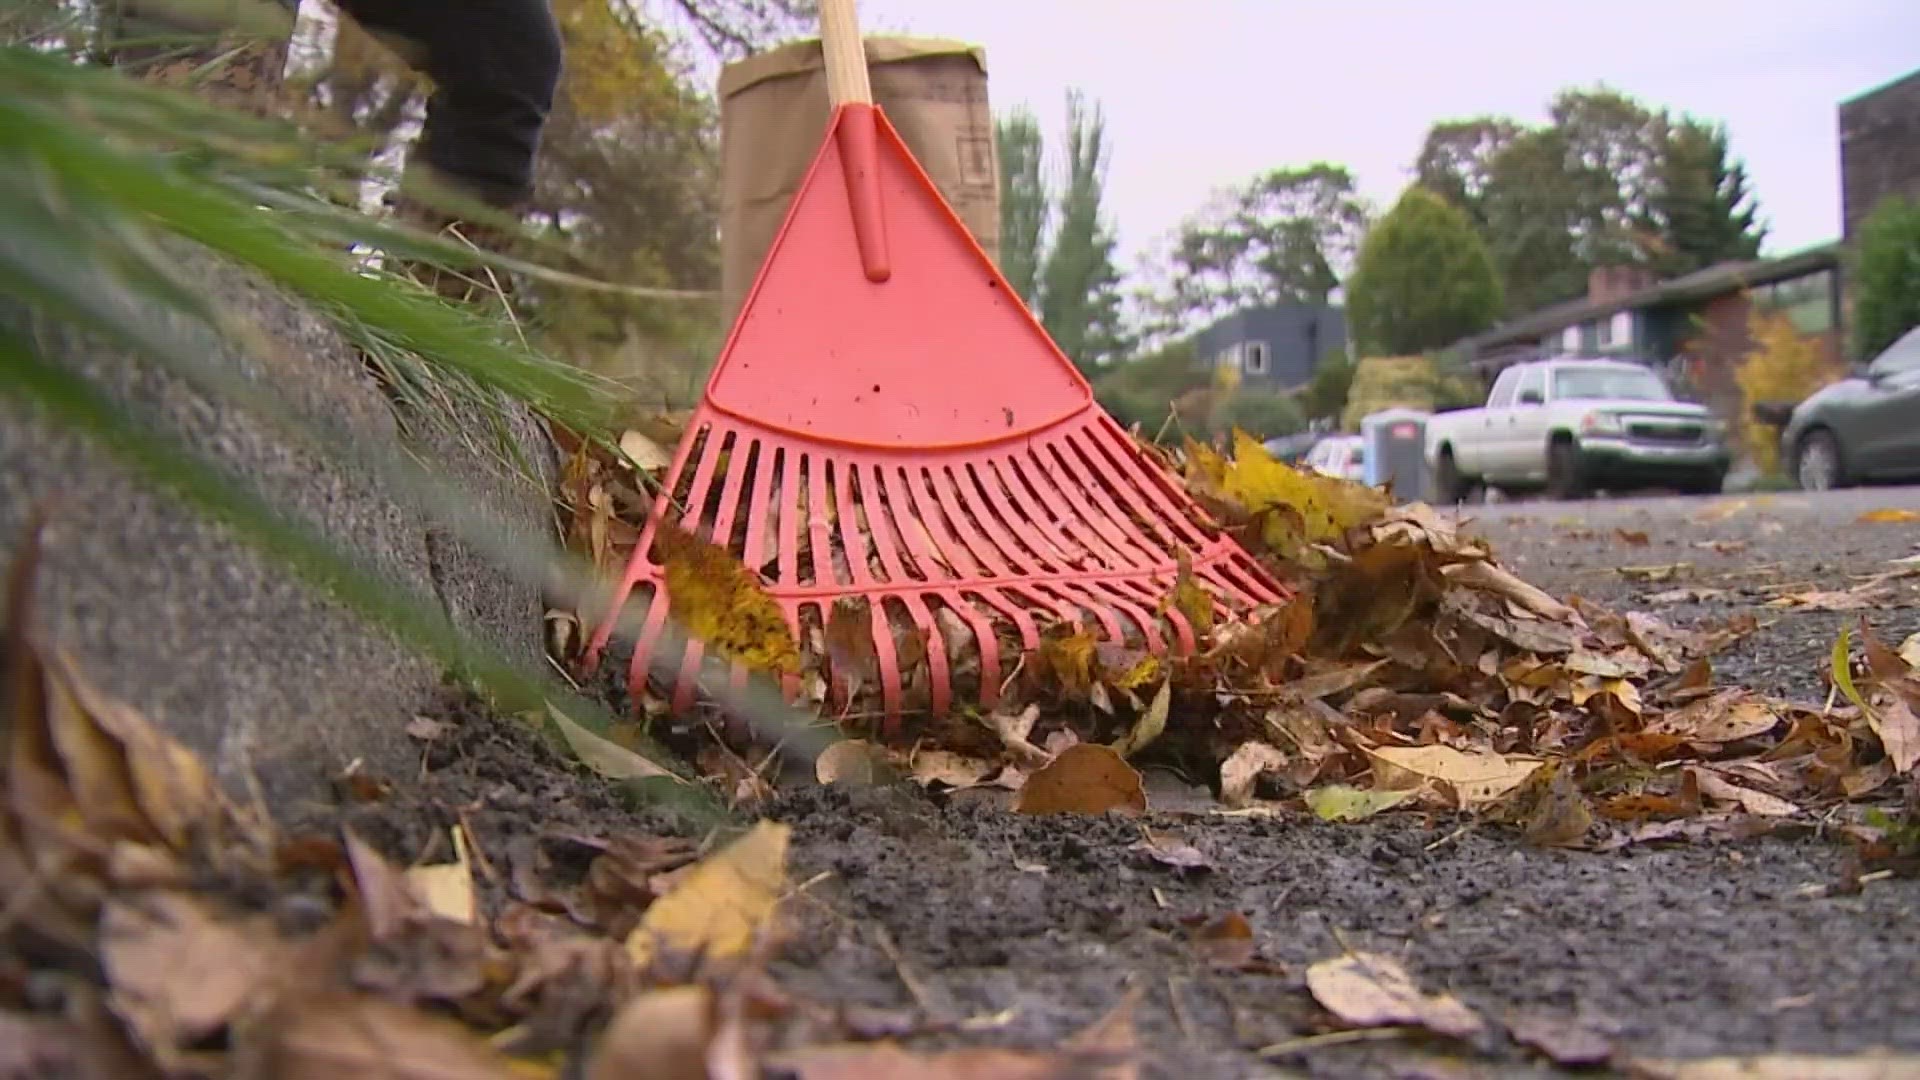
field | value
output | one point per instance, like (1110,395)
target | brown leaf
(1225,942)
(1170,850)
(850,642)
(1086,778)
(1241,772)
(1490,578)
(1899,732)
(179,971)
(387,901)
(1565,1040)
(1013,729)
(949,768)
(332,1035)
(853,762)
(1194,603)
(1372,990)
(1870,1065)
(1559,817)
(1715,786)
(1632,538)
(1475,778)
(1728,716)
(665,1034)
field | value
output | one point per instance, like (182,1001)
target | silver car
(1865,427)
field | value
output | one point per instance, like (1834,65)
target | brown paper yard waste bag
(773,108)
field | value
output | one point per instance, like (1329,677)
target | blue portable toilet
(1396,449)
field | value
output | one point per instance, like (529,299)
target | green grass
(103,179)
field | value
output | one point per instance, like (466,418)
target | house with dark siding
(1277,347)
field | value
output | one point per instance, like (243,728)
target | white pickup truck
(1569,426)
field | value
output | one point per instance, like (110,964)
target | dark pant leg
(495,65)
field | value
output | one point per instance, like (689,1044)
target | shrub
(1424,279)
(1784,365)
(1886,276)
(1264,414)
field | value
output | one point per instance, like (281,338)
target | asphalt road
(1700,561)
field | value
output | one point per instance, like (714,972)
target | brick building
(1879,148)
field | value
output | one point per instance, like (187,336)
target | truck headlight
(1716,429)
(1601,423)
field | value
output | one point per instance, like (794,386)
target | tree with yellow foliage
(1784,365)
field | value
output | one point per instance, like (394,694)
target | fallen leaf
(1823,601)
(1106,1050)
(1493,579)
(854,762)
(1887,516)
(1194,603)
(1069,659)
(1726,717)
(1150,724)
(1715,786)
(1899,732)
(717,600)
(1242,770)
(1664,572)
(643,453)
(1632,538)
(1344,802)
(1086,778)
(1683,596)
(1475,778)
(849,642)
(604,756)
(1225,942)
(952,769)
(662,1033)
(722,903)
(179,971)
(1879,1064)
(1565,1040)
(1013,729)
(1372,990)
(330,1035)
(447,889)
(1170,850)
(1910,650)
(1559,816)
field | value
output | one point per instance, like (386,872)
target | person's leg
(495,65)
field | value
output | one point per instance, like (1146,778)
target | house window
(1616,332)
(1254,357)
(1570,340)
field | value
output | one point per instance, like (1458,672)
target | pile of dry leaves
(1410,671)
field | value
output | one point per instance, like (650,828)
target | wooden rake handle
(846,55)
(856,128)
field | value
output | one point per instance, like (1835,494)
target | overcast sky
(1204,93)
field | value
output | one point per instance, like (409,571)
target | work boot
(461,285)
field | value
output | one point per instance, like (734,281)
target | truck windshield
(1574,384)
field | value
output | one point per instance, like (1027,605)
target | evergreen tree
(1080,287)
(1701,209)
(1886,276)
(1424,280)
(1025,203)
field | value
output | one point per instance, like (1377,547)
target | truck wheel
(1448,485)
(1563,471)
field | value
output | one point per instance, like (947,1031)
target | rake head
(889,435)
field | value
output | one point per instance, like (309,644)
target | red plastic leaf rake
(888,421)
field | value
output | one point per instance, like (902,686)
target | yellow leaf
(645,454)
(1475,777)
(1070,659)
(1344,802)
(1150,724)
(1085,778)
(1888,516)
(717,600)
(447,889)
(1190,600)
(718,907)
